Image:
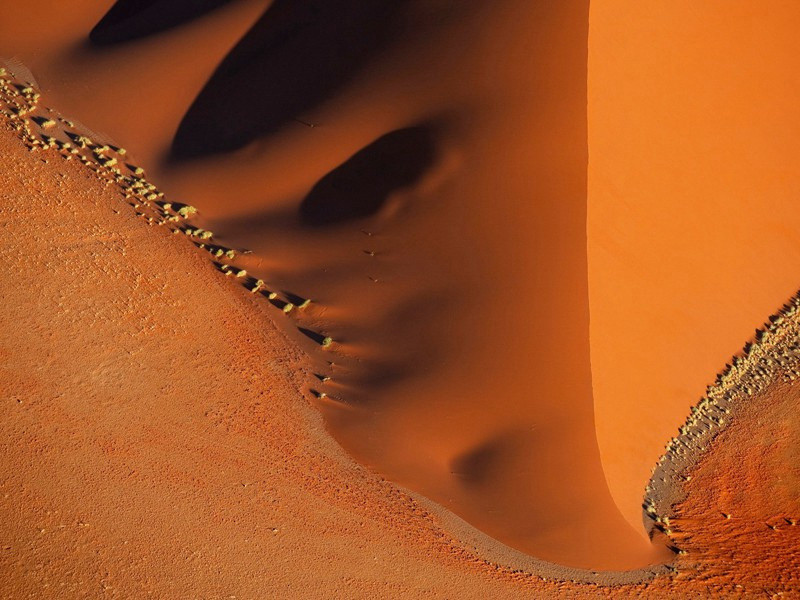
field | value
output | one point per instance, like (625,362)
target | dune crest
(411,211)
(700,499)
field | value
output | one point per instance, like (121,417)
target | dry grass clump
(187,211)
(81,141)
(199,233)
(18,101)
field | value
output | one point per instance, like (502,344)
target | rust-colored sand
(419,221)
(435,216)
(155,441)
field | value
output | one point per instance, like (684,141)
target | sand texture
(155,434)
(413,298)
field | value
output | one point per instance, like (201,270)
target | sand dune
(156,440)
(132,466)
(693,178)
(402,189)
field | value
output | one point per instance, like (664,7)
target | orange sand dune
(418,171)
(694,174)
(428,384)
(132,467)
(155,440)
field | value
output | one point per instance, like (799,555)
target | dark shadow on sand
(295,56)
(361,185)
(128,20)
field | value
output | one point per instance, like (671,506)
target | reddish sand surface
(739,524)
(156,441)
(431,205)
(694,173)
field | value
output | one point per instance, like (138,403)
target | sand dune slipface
(444,254)
(693,179)
(411,181)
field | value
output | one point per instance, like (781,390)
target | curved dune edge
(486,558)
(771,359)
(148,203)
(726,493)
(498,555)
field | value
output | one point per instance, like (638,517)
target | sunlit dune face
(418,170)
(694,175)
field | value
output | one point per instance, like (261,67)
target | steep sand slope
(155,437)
(436,216)
(694,173)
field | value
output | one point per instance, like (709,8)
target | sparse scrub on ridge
(772,356)
(19,104)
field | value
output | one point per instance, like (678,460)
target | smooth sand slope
(425,188)
(156,440)
(435,214)
(694,172)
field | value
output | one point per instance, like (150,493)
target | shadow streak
(128,20)
(361,185)
(295,56)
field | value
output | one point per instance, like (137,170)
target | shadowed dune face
(362,185)
(294,57)
(447,261)
(435,213)
(132,19)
